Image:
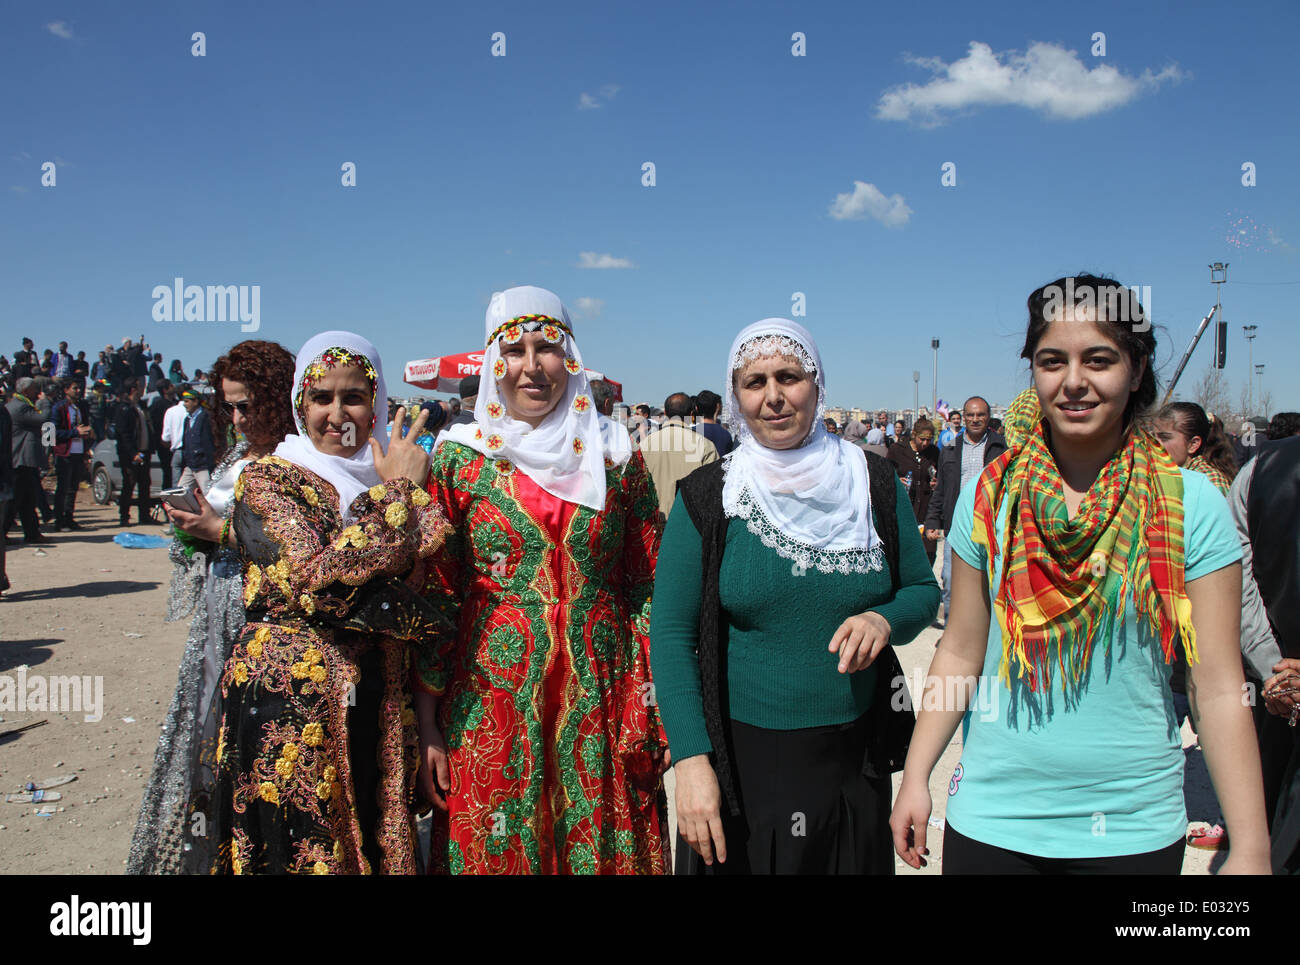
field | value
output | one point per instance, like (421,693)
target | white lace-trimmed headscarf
(352,475)
(812,503)
(567,454)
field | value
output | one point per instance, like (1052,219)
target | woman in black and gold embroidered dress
(316,747)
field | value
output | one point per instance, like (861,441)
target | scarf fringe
(1154,532)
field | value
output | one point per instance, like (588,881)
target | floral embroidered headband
(553,330)
(333,358)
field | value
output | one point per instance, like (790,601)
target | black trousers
(164,454)
(966,856)
(71,470)
(137,477)
(4,578)
(27,484)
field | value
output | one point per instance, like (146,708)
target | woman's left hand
(859,640)
(205,524)
(404,456)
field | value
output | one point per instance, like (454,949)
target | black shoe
(72,524)
(123,521)
(38,540)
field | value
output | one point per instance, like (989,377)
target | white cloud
(590,259)
(60,28)
(590,102)
(589,307)
(867,200)
(1046,78)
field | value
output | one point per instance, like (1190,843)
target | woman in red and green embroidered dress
(537,716)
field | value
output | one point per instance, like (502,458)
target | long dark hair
(1118,312)
(266,369)
(1190,419)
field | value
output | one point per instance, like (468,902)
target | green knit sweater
(780,674)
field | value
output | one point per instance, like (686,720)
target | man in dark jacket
(959,464)
(27,460)
(6,482)
(164,400)
(72,436)
(156,373)
(133,449)
(197,447)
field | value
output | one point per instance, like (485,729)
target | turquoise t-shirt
(1098,773)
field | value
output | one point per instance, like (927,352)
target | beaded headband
(553,330)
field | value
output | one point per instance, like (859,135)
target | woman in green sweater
(772,601)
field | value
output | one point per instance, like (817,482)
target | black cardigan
(891,729)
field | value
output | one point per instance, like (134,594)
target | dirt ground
(85,606)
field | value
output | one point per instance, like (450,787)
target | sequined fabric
(316,748)
(208,586)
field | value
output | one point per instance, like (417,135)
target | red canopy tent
(443,374)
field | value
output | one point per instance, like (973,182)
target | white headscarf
(352,475)
(567,453)
(812,503)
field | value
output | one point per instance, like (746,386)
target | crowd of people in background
(430,515)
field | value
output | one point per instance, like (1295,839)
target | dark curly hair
(266,369)
(1284,425)
(1117,311)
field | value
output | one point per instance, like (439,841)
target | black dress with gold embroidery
(317,748)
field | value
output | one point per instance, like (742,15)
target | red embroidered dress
(317,746)
(546,701)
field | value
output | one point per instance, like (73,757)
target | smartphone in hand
(182,499)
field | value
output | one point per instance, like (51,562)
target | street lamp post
(1218,276)
(916,393)
(934,401)
(1259,374)
(1250,385)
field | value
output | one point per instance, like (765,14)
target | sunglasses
(230,407)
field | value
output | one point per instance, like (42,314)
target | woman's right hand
(699,816)
(1285,674)
(433,751)
(909,821)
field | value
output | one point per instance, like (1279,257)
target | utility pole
(1249,331)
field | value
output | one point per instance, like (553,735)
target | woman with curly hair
(253,416)
(316,746)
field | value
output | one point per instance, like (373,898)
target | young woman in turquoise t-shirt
(1082,558)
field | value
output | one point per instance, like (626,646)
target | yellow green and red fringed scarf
(1064,581)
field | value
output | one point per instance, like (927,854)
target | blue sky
(477,172)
